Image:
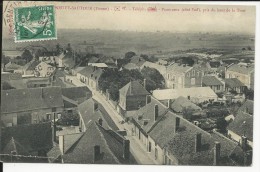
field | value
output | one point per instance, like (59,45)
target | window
(193,73)
(48,116)
(192,81)
(168,76)
(188,74)
(218,87)
(149,147)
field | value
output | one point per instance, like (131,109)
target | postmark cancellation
(34,23)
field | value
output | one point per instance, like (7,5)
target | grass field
(117,43)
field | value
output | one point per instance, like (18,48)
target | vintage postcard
(127,83)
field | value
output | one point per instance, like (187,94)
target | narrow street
(136,148)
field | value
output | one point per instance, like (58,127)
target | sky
(138,20)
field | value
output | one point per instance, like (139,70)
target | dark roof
(31,65)
(87,71)
(32,137)
(93,59)
(178,68)
(131,66)
(248,107)
(133,88)
(18,100)
(233,82)
(88,114)
(70,62)
(83,150)
(137,60)
(146,114)
(182,102)
(242,124)
(211,81)
(241,68)
(10,76)
(180,144)
(14,146)
(96,74)
(111,147)
(76,93)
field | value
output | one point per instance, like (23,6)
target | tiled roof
(202,66)
(93,60)
(181,144)
(131,66)
(14,66)
(12,53)
(10,76)
(243,124)
(13,145)
(248,107)
(69,62)
(241,68)
(233,82)
(82,151)
(182,102)
(133,88)
(32,137)
(18,100)
(88,114)
(76,93)
(146,114)
(87,71)
(31,65)
(211,81)
(178,68)
(137,60)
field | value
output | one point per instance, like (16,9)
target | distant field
(117,43)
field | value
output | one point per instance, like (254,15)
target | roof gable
(18,100)
(133,88)
(211,81)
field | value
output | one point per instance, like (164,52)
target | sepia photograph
(127,83)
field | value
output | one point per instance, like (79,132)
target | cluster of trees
(113,80)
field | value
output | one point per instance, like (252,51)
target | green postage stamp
(34,23)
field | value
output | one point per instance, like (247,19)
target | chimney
(61,144)
(95,107)
(148,99)
(216,153)
(169,103)
(177,124)
(54,128)
(126,149)
(100,121)
(130,88)
(244,143)
(96,153)
(197,142)
(144,83)
(156,112)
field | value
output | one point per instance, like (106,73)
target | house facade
(172,140)
(30,106)
(244,73)
(183,76)
(132,96)
(214,83)
(233,84)
(43,70)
